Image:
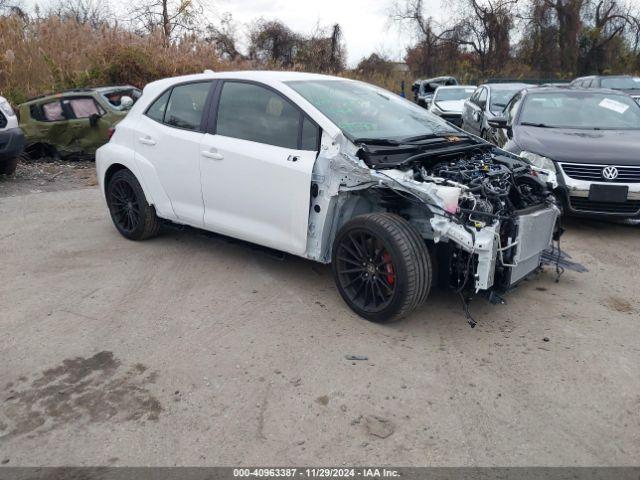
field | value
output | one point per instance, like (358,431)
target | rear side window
(251,112)
(186,105)
(181,106)
(157,108)
(52,112)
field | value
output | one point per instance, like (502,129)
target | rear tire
(132,216)
(8,167)
(381,266)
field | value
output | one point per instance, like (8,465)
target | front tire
(381,266)
(132,216)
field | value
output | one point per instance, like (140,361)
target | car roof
(506,86)
(609,76)
(257,75)
(263,76)
(555,89)
(114,87)
(76,91)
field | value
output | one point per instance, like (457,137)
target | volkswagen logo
(610,173)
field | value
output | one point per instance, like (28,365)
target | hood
(619,147)
(455,106)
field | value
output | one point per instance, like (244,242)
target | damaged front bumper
(521,255)
(500,251)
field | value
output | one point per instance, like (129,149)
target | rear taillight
(112,130)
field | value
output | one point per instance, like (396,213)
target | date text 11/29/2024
(316,472)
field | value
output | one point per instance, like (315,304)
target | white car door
(167,139)
(256,167)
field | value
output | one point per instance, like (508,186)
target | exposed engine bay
(486,214)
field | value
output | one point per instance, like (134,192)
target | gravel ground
(190,349)
(48,175)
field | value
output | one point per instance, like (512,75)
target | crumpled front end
(486,215)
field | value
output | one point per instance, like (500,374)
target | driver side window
(251,112)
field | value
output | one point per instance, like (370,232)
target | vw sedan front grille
(595,173)
(585,205)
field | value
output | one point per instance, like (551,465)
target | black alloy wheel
(124,205)
(132,216)
(366,270)
(381,266)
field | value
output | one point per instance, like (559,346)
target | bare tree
(610,20)
(14,7)
(425,58)
(225,38)
(569,18)
(322,51)
(485,27)
(87,12)
(170,17)
(272,41)
(538,46)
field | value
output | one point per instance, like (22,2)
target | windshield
(447,94)
(501,96)
(622,83)
(361,110)
(589,111)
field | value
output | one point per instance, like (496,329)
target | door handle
(147,141)
(212,155)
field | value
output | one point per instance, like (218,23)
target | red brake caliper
(388,266)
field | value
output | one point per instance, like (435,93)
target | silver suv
(11,138)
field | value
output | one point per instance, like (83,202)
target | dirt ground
(47,175)
(190,349)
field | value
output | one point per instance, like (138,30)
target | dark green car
(75,122)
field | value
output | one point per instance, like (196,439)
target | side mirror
(498,122)
(126,102)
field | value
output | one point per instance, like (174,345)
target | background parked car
(589,139)
(11,138)
(428,87)
(487,103)
(75,122)
(448,102)
(624,83)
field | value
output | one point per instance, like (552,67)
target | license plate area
(608,193)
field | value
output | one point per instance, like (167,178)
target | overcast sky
(364,23)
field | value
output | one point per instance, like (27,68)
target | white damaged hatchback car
(332,170)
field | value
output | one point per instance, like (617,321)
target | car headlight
(539,161)
(436,110)
(6,108)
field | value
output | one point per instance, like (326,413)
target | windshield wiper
(377,141)
(436,134)
(420,137)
